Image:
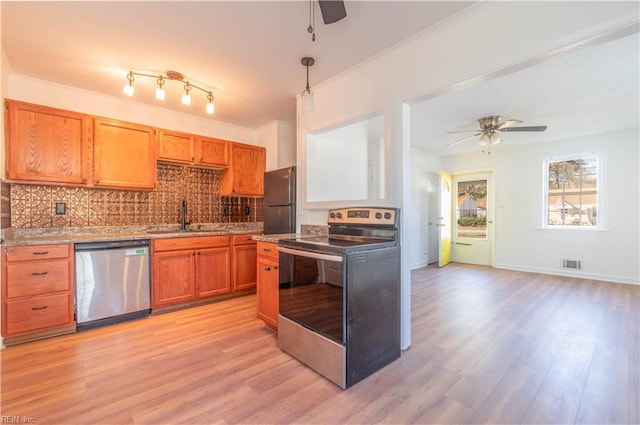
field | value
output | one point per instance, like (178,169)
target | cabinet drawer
(37,277)
(32,314)
(37,252)
(190,243)
(268,249)
(244,239)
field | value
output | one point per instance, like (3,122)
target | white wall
(279,138)
(612,254)
(46,93)
(445,55)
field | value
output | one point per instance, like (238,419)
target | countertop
(15,237)
(275,238)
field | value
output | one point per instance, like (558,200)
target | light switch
(61,208)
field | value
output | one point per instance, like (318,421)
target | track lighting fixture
(160,91)
(128,87)
(307,94)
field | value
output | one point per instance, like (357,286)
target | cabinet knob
(267,268)
(275,267)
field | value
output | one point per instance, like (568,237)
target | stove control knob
(378,215)
(332,215)
(387,215)
(339,215)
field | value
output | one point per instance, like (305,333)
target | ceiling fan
(332,11)
(490,129)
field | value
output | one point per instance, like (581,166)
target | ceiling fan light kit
(160,91)
(490,129)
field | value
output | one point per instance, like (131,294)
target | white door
(473,219)
(444,220)
(433,212)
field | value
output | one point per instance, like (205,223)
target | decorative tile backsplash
(34,206)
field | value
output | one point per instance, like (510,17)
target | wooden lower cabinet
(244,262)
(212,272)
(174,279)
(189,269)
(37,292)
(268,283)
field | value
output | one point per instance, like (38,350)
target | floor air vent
(572,264)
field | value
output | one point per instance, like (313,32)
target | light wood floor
(489,346)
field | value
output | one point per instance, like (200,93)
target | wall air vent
(572,264)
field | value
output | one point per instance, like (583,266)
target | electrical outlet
(61,208)
(247,210)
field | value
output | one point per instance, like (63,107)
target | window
(472,209)
(571,192)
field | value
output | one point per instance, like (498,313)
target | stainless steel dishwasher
(111,282)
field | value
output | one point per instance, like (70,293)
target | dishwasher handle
(92,246)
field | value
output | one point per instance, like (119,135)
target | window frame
(599,159)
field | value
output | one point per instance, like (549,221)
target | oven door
(312,291)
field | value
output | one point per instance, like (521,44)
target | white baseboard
(579,274)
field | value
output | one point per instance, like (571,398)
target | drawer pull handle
(38,273)
(267,249)
(42,307)
(40,252)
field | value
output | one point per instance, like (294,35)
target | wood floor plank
(488,346)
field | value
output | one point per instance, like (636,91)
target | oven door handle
(310,254)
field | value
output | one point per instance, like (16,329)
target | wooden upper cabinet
(175,147)
(212,152)
(124,155)
(186,148)
(245,175)
(46,145)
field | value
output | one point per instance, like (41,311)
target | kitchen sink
(167,231)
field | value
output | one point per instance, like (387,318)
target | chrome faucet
(183,216)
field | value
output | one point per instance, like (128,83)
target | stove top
(352,230)
(336,244)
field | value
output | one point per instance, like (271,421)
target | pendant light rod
(307,95)
(307,61)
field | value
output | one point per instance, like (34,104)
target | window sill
(574,229)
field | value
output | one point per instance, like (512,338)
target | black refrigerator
(279,204)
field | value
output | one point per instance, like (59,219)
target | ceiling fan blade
(462,140)
(461,131)
(508,123)
(332,10)
(531,128)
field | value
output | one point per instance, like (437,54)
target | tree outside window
(472,209)
(572,191)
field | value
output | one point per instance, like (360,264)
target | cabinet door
(175,147)
(173,277)
(267,292)
(46,144)
(212,270)
(124,155)
(245,175)
(213,152)
(244,267)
